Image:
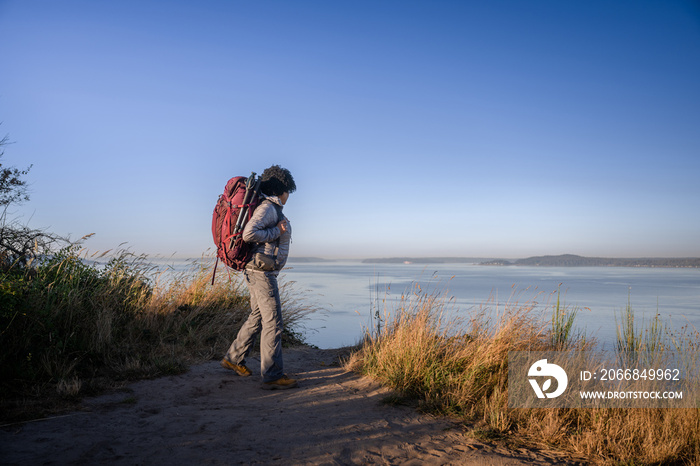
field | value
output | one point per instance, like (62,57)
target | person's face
(284,197)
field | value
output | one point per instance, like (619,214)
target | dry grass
(69,328)
(461,368)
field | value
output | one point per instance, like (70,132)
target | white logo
(542,369)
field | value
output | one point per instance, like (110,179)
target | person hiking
(269,230)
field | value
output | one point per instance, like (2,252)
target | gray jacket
(262,229)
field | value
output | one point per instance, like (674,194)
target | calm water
(349,291)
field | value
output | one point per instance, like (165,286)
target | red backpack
(232,211)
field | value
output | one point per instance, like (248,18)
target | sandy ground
(211,416)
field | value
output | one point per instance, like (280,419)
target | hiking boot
(237,368)
(282,383)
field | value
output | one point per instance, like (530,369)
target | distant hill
(564,260)
(496,262)
(426,260)
(571,260)
(306,260)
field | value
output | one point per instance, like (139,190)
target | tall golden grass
(71,328)
(460,367)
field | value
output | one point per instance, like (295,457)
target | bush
(69,322)
(450,367)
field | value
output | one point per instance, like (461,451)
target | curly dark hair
(277,181)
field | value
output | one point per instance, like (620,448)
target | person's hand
(282,226)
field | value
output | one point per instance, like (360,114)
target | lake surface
(349,292)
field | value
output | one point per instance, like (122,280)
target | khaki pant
(265,319)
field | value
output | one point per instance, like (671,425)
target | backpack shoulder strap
(278,208)
(280,216)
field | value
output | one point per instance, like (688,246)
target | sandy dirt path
(211,416)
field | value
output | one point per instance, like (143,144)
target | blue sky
(489,129)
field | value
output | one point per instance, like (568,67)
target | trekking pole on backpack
(252,188)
